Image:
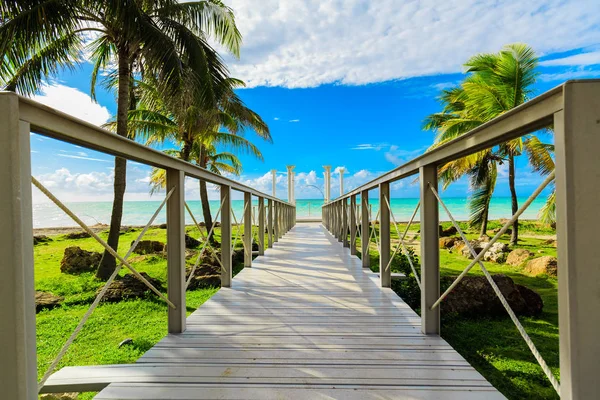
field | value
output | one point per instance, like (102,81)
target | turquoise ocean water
(47,215)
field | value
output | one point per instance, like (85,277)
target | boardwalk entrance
(305,322)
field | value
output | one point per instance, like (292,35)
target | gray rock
(77,235)
(497,253)
(37,239)
(205,275)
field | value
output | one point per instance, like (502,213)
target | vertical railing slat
(247,229)
(385,272)
(430,252)
(365,227)
(226,251)
(17,293)
(176,250)
(261,226)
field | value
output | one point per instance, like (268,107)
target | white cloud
(73,102)
(83,157)
(294,120)
(591,58)
(398,156)
(306,43)
(276,118)
(370,146)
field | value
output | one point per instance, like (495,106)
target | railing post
(365,233)
(276,209)
(176,250)
(247,229)
(270,223)
(430,253)
(340,223)
(353,225)
(261,226)
(577,141)
(226,270)
(345,222)
(17,293)
(385,271)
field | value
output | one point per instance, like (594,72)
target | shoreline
(96,228)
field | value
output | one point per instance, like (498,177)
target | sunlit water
(47,215)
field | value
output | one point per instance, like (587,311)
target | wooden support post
(176,250)
(353,225)
(430,253)
(276,208)
(17,293)
(577,141)
(247,230)
(345,240)
(365,229)
(270,223)
(340,223)
(385,271)
(261,226)
(226,253)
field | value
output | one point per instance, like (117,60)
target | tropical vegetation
(209,136)
(495,84)
(165,39)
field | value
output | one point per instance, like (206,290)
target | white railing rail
(19,117)
(573,111)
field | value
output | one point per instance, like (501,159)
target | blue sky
(342,83)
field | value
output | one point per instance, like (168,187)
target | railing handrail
(533,115)
(56,124)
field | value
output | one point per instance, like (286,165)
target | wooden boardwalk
(305,322)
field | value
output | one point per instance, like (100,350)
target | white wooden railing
(573,110)
(20,116)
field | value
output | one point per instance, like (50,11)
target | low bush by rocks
(37,239)
(518,257)
(162,226)
(46,300)
(206,275)
(59,396)
(149,247)
(551,242)
(130,287)
(76,261)
(77,235)
(474,297)
(543,265)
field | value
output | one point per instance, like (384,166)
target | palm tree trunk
(204,197)
(484,221)
(514,237)
(108,262)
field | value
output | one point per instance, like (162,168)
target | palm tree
(218,163)
(497,83)
(158,37)
(197,129)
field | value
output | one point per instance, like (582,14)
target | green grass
(493,345)
(143,320)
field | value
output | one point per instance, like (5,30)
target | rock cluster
(497,253)
(37,239)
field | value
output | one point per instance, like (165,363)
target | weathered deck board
(305,322)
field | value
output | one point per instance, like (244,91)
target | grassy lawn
(493,345)
(143,320)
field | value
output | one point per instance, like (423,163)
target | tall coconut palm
(39,38)
(182,120)
(496,84)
